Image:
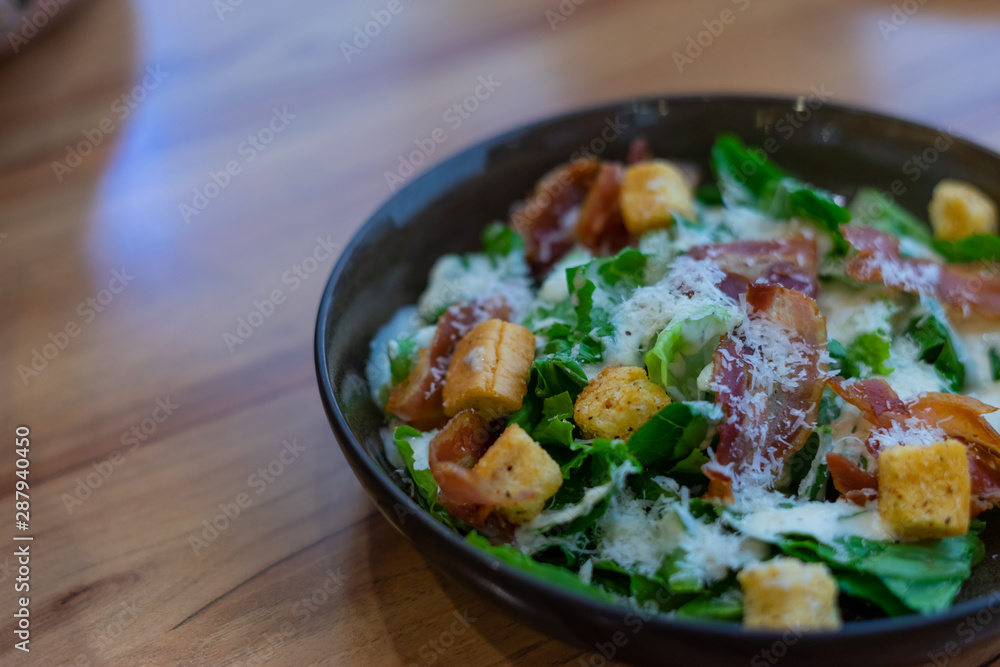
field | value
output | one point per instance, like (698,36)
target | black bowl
(444,210)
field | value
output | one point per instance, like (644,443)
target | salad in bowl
(727,395)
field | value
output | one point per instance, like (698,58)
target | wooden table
(167,168)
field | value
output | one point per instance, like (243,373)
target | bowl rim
(359,459)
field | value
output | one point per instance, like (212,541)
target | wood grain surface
(167,167)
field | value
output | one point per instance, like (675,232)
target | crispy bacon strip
(600,226)
(857,485)
(769,416)
(877,401)
(791,263)
(960,417)
(963,288)
(417,400)
(453,453)
(539,219)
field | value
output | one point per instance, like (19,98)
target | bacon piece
(600,226)
(857,485)
(417,400)
(961,417)
(877,401)
(768,377)
(971,288)
(791,263)
(984,475)
(963,288)
(466,495)
(539,218)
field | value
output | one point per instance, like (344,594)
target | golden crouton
(923,491)
(785,593)
(651,193)
(515,463)
(489,370)
(959,209)
(617,402)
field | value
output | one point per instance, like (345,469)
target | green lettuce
(670,438)
(873,209)
(937,348)
(425,487)
(867,355)
(685,346)
(613,276)
(748,177)
(974,248)
(548,377)
(500,240)
(552,574)
(922,577)
(401,358)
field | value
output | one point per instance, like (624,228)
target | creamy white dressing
(456,278)
(824,521)
(911,375)
(554,288)
(421,446)
(851,313)
(405,322)
(686,290)
(977,338)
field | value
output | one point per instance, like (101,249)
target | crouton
(924,491)
(489,370)
(617,402)
(514,464)
(959,209)
(785,593)
(651,193)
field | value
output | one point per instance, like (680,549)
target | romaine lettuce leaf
(922,577)
(683,348)
(601,281)
(867,355)
(937,348)
(747,176)
(556,426)
(500,240)
(426,488)
(402,353)
(807,467)
(553,574)
(873,209)
(975,248)
(548,377)
(592,475)
(670,437)
(726,605)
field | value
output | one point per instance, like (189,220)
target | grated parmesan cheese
(851,313)
(460,279)
(778,360)
(911,432)
(910,375)
(688,288)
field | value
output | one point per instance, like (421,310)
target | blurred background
(176,181)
